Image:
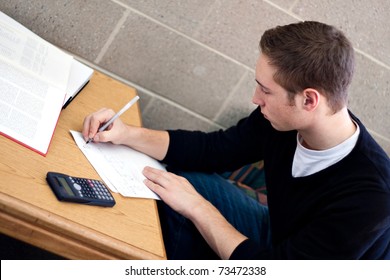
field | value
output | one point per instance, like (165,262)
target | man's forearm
(222,237)
(151,142)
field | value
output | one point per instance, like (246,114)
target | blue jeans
(183,241)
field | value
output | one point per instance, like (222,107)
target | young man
(328,181)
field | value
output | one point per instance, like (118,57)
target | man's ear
(311,99)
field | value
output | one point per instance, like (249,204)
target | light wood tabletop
(29,210)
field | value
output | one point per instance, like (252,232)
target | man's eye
(264,90)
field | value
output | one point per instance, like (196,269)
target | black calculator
(79,190)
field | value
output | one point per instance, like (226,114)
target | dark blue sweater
(341,212)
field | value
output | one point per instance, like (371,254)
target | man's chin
(279,128)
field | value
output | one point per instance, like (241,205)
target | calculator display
(65,185)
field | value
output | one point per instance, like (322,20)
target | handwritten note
(120,167)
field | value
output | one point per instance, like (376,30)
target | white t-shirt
(307,162)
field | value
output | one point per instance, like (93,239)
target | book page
(33,81)
(29,108)
(120,167)
(79,75)
(35,55)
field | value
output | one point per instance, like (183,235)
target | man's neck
(329,131)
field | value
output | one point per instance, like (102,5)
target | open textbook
(36,80)
(119,166)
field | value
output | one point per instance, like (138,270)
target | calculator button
(77,186)
(92,189)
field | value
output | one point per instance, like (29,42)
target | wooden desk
(29,211)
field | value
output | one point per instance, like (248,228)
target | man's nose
(257,98)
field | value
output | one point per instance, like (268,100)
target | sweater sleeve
(218,151)
(246,250)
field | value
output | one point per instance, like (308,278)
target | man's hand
(174,190)
(181,196)
(114,133)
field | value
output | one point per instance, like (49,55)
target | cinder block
(366,23)
(164,115)
(171,65)
(239,104)
(183,16)
(80,27)
(370,95)
(235,27)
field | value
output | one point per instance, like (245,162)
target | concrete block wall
(192,61)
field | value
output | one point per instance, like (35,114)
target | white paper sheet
(120,167)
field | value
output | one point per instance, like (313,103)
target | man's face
(273,100)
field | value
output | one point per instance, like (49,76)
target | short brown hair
(311,54)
